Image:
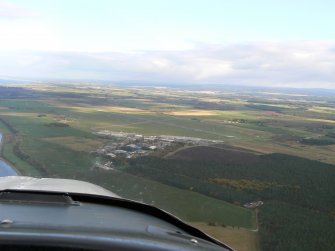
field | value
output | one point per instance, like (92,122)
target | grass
(59,161)
(187,205)
(23,167)
(8,154)
(237,238)
(77,143)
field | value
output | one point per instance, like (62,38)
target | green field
(49,132)
(60,161)
(187,205)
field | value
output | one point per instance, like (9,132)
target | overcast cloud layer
(8,10)
(194,42)
(297,64)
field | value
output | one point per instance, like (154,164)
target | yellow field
(322,109)
(119,109)
(19,114)
(192,113)
(238,238)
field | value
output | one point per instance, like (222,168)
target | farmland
(275,146)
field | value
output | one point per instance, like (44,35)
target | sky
(277,43)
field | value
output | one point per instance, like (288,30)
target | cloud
(295,64)
(9,10)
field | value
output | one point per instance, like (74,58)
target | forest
(298,193)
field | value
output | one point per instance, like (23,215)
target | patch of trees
(325,126)
(285,137)
(318,127)
(304,196)
(266,108)
(331,135)
(67,95)
(15,92)
(317,142)
(288,227)
(314,179)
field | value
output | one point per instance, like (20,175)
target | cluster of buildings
(132,145)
